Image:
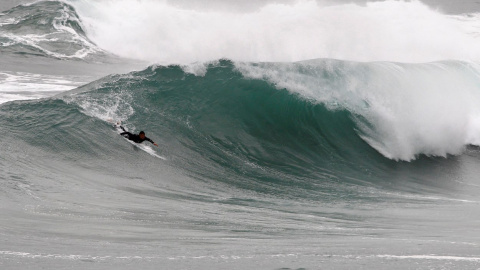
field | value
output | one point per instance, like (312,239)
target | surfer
(134,137)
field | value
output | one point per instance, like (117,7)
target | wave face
(46,28)
(163,32)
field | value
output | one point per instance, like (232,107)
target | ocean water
(292,135)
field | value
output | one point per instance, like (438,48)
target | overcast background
(446,6)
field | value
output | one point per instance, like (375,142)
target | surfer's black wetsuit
(133,137)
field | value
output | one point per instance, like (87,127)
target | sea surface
(292,134)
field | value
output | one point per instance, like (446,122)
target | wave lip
(47,28)
(401,110)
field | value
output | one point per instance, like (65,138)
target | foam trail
(158,31)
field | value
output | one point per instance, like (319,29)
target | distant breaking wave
(46,28)
(167,33)
(161,32)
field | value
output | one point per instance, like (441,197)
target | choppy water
(282,151)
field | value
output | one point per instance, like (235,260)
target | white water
(158,31)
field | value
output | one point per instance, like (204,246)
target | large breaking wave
(401,110)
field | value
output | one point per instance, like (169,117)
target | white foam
(7,21)
(75,257)
(24,85)
(431,257)
(105,107)
(158,31)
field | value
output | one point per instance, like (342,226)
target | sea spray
(161,32)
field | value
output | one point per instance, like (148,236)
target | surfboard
(141,146)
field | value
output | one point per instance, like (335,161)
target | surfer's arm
(147,139)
